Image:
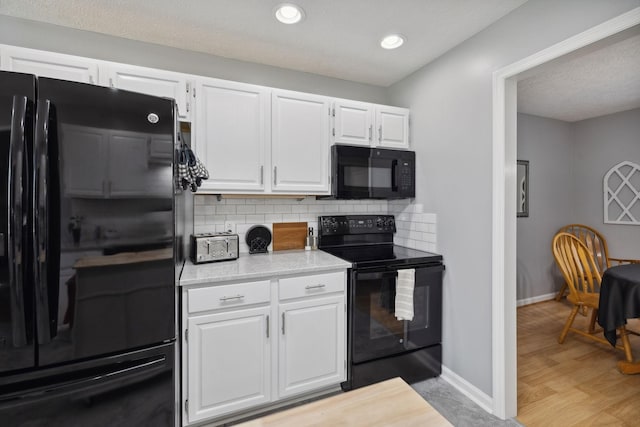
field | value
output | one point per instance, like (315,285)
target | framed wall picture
(522,174)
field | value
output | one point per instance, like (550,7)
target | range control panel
(356,224)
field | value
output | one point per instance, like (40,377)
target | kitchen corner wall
(415,229)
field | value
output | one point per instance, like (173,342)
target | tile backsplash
(415,229)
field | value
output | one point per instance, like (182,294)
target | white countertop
(254,266)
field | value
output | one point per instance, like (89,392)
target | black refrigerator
(90,250)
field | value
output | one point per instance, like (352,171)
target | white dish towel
(404,294)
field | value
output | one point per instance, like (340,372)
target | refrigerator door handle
(16,188)
(40,220)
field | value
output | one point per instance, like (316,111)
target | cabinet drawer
(318,284)
(225,296)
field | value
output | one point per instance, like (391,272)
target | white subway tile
(271,218)
(299,209)
(255,219)
(236,218)
(226,209)
(430,218)
(282,209)
(246,209)
(263,209)
(290,218)
(234,201)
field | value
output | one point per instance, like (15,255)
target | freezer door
(17,92)
(103,221)
(134,389)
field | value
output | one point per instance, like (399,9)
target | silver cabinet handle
(262,175)
(319,286)
(267,326)
(380,134)
(275,175)
(370,132)
(282,323)
(231,298)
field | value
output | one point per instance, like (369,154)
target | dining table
(619,301)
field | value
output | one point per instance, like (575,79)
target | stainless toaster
(213,247)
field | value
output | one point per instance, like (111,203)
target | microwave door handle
(394,175)
(17,187)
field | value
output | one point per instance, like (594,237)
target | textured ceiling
(338,38)
(600,79)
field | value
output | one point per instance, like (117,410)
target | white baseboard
(465,387)
(527,301)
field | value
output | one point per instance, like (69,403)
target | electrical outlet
(230,226)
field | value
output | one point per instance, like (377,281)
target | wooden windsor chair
(583,278)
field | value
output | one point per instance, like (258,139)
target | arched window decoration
(621,189)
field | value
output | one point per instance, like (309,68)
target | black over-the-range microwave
(372,173)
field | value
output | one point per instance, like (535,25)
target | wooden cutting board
(289,235)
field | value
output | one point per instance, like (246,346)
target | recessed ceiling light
(289,13)
(392,41)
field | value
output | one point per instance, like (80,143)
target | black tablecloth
(619,298)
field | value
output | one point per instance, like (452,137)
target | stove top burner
(383,255)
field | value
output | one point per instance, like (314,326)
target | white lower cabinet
(311,350)
(249,344)
(229,362)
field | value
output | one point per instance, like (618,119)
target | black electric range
(380,346)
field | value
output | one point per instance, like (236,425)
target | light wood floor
(575,383)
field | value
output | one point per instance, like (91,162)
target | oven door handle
(431,267)
(375,275)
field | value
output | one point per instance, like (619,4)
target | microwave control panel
(405,181)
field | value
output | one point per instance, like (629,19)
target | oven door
(375,331)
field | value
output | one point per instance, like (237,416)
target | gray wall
(548,145)
(37,35)
(451,102)
(568,163)
(601,143)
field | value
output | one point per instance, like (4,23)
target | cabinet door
(152,82)
(352,123)
(312,344)
(48,64)
(128,174)
(300,145)
(392,126)
(84,152)
(229,363)
(232,134)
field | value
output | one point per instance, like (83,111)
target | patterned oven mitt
(184,177)
(197,170)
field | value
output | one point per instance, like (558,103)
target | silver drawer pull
(314,286)
(223,299)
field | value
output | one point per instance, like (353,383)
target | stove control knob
(389,223)
(379,222)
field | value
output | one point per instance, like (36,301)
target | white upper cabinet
(360,123)
(352,122)
(393,127)
(151,81)
(48,64)
(232,135)
(300,143)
